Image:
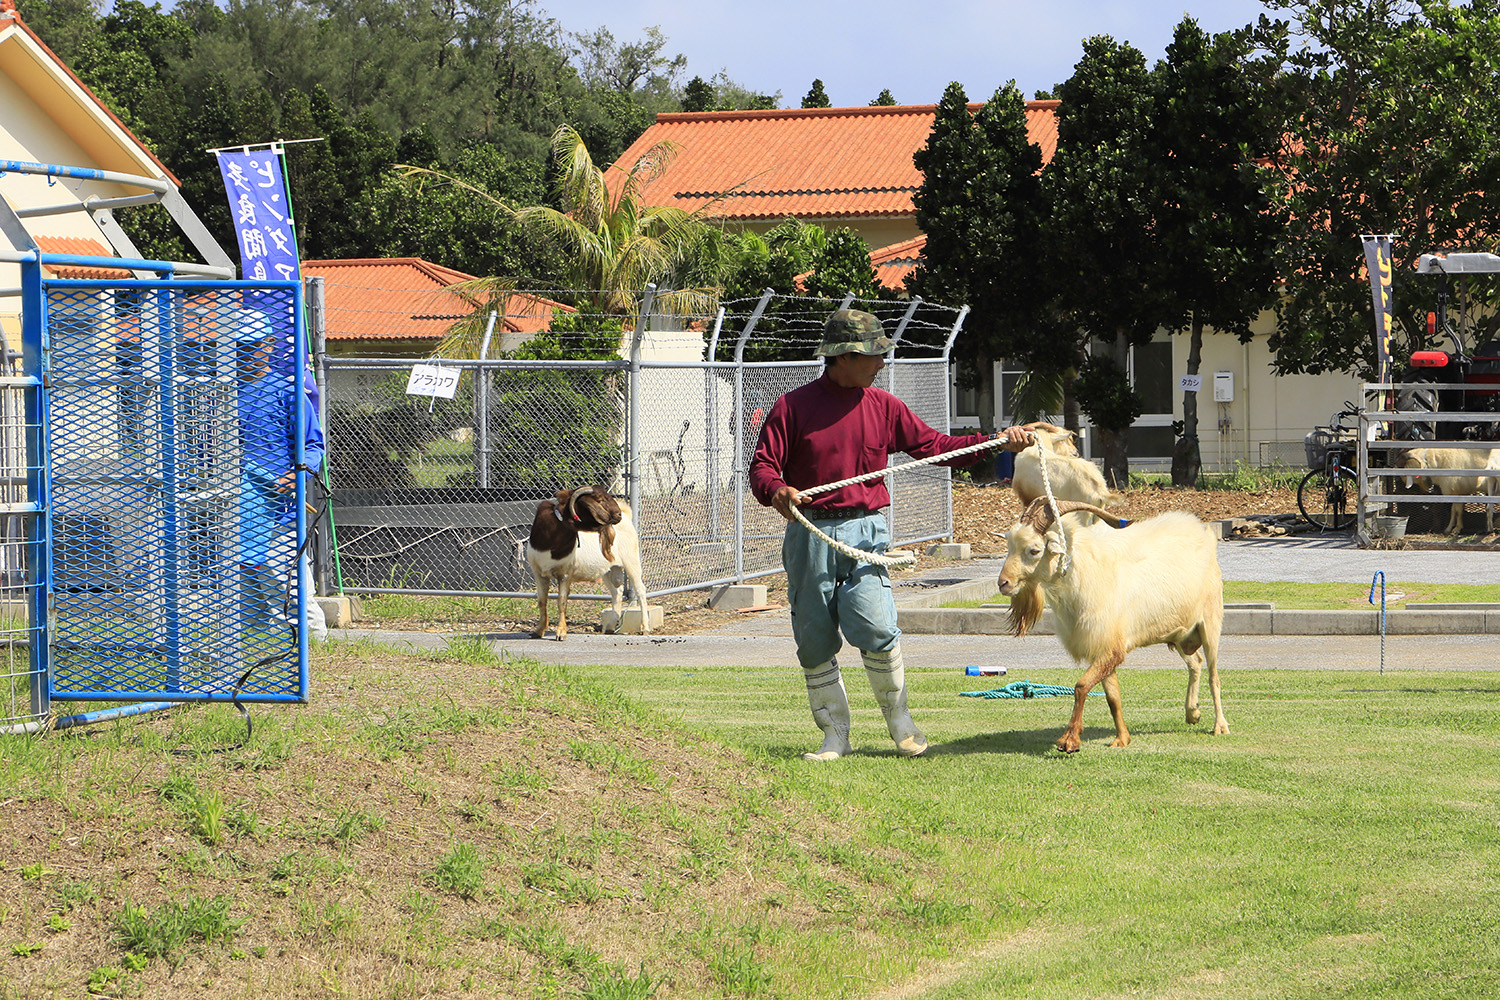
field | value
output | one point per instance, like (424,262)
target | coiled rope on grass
(877,558)
(1024,689)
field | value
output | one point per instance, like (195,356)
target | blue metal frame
(36,340)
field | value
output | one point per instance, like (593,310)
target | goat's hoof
(1119,742)
(537,633)
(1193,715)
(561,636)
(1068,747)
(1222,729)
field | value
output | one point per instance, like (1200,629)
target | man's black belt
(837,515)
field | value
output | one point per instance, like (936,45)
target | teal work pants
(831,593)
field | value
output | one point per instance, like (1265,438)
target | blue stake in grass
(1380,576)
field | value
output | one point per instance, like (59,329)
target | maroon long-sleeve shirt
(823,432)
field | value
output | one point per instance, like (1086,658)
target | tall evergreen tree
(816,97)
(1100,254)
(980,208)
(883,99)
(1214,226)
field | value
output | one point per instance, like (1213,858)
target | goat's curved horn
(573,500)
(1069,506)
(1037,514)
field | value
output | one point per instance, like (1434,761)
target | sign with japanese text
(432,380)
(1190,383)
(262,217)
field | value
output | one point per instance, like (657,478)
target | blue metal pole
(38,530)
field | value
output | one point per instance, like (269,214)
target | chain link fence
(436,495)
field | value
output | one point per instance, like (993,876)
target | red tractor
(1473,378)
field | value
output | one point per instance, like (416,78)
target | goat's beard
(1025,608)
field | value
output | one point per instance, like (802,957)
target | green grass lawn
(1326,596)
(1343,840)
(473,825)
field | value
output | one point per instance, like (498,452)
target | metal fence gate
(164,436)
(436,496)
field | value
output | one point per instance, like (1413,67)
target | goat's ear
(1055,541)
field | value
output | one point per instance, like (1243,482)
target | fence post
(633,418)
(711,427)
(482,408)
(317,329)
(958,323)
(741,469)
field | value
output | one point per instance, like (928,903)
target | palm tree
(615,245)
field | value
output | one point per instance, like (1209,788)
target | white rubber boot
(888,680)
(830,710)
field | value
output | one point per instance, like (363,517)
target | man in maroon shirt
(833,428)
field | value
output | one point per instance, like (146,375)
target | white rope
(876,558)
(1065,560)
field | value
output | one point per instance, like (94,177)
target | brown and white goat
(1454,486)
(1071,477)
(1155,581)
(583,536)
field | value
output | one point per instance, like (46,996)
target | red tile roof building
(831,166)
(402,304)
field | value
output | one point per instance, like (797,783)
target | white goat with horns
(1069,476)
(1157,581)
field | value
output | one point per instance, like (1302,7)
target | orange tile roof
(408,298)
(81,247)
(895,263)
(811,163)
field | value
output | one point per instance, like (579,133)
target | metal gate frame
(41,380)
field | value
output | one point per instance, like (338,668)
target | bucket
(1392,528)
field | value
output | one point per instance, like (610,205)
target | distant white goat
(1454,486)
(1071,477)
(1155,581)
(582,536)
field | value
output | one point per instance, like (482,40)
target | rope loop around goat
(1065,560)
(876,558)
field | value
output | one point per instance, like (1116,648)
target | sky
(915,48)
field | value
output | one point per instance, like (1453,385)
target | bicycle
(1328,494)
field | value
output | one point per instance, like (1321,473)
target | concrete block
(1291,622)
(949,550)
(338,612)
(736,596)
(1225,529)
(1433,622)
(1248,621)
(630,622)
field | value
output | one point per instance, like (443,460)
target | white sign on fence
(1188,383)
(432,380)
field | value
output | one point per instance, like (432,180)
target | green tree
(698,95)
(1100,255)
(980,207)
(816,97)
(1214,227)
(1390,129)
(883,100)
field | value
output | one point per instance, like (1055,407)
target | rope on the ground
(876,558)
(1024,689)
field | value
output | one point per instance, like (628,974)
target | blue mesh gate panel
(172,419)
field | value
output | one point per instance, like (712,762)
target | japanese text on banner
(262,218)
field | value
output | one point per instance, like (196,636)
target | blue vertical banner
(267,237)
(262,214)
(1378,263)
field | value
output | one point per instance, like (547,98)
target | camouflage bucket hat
(851,331)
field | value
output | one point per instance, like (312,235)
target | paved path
(766,637)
